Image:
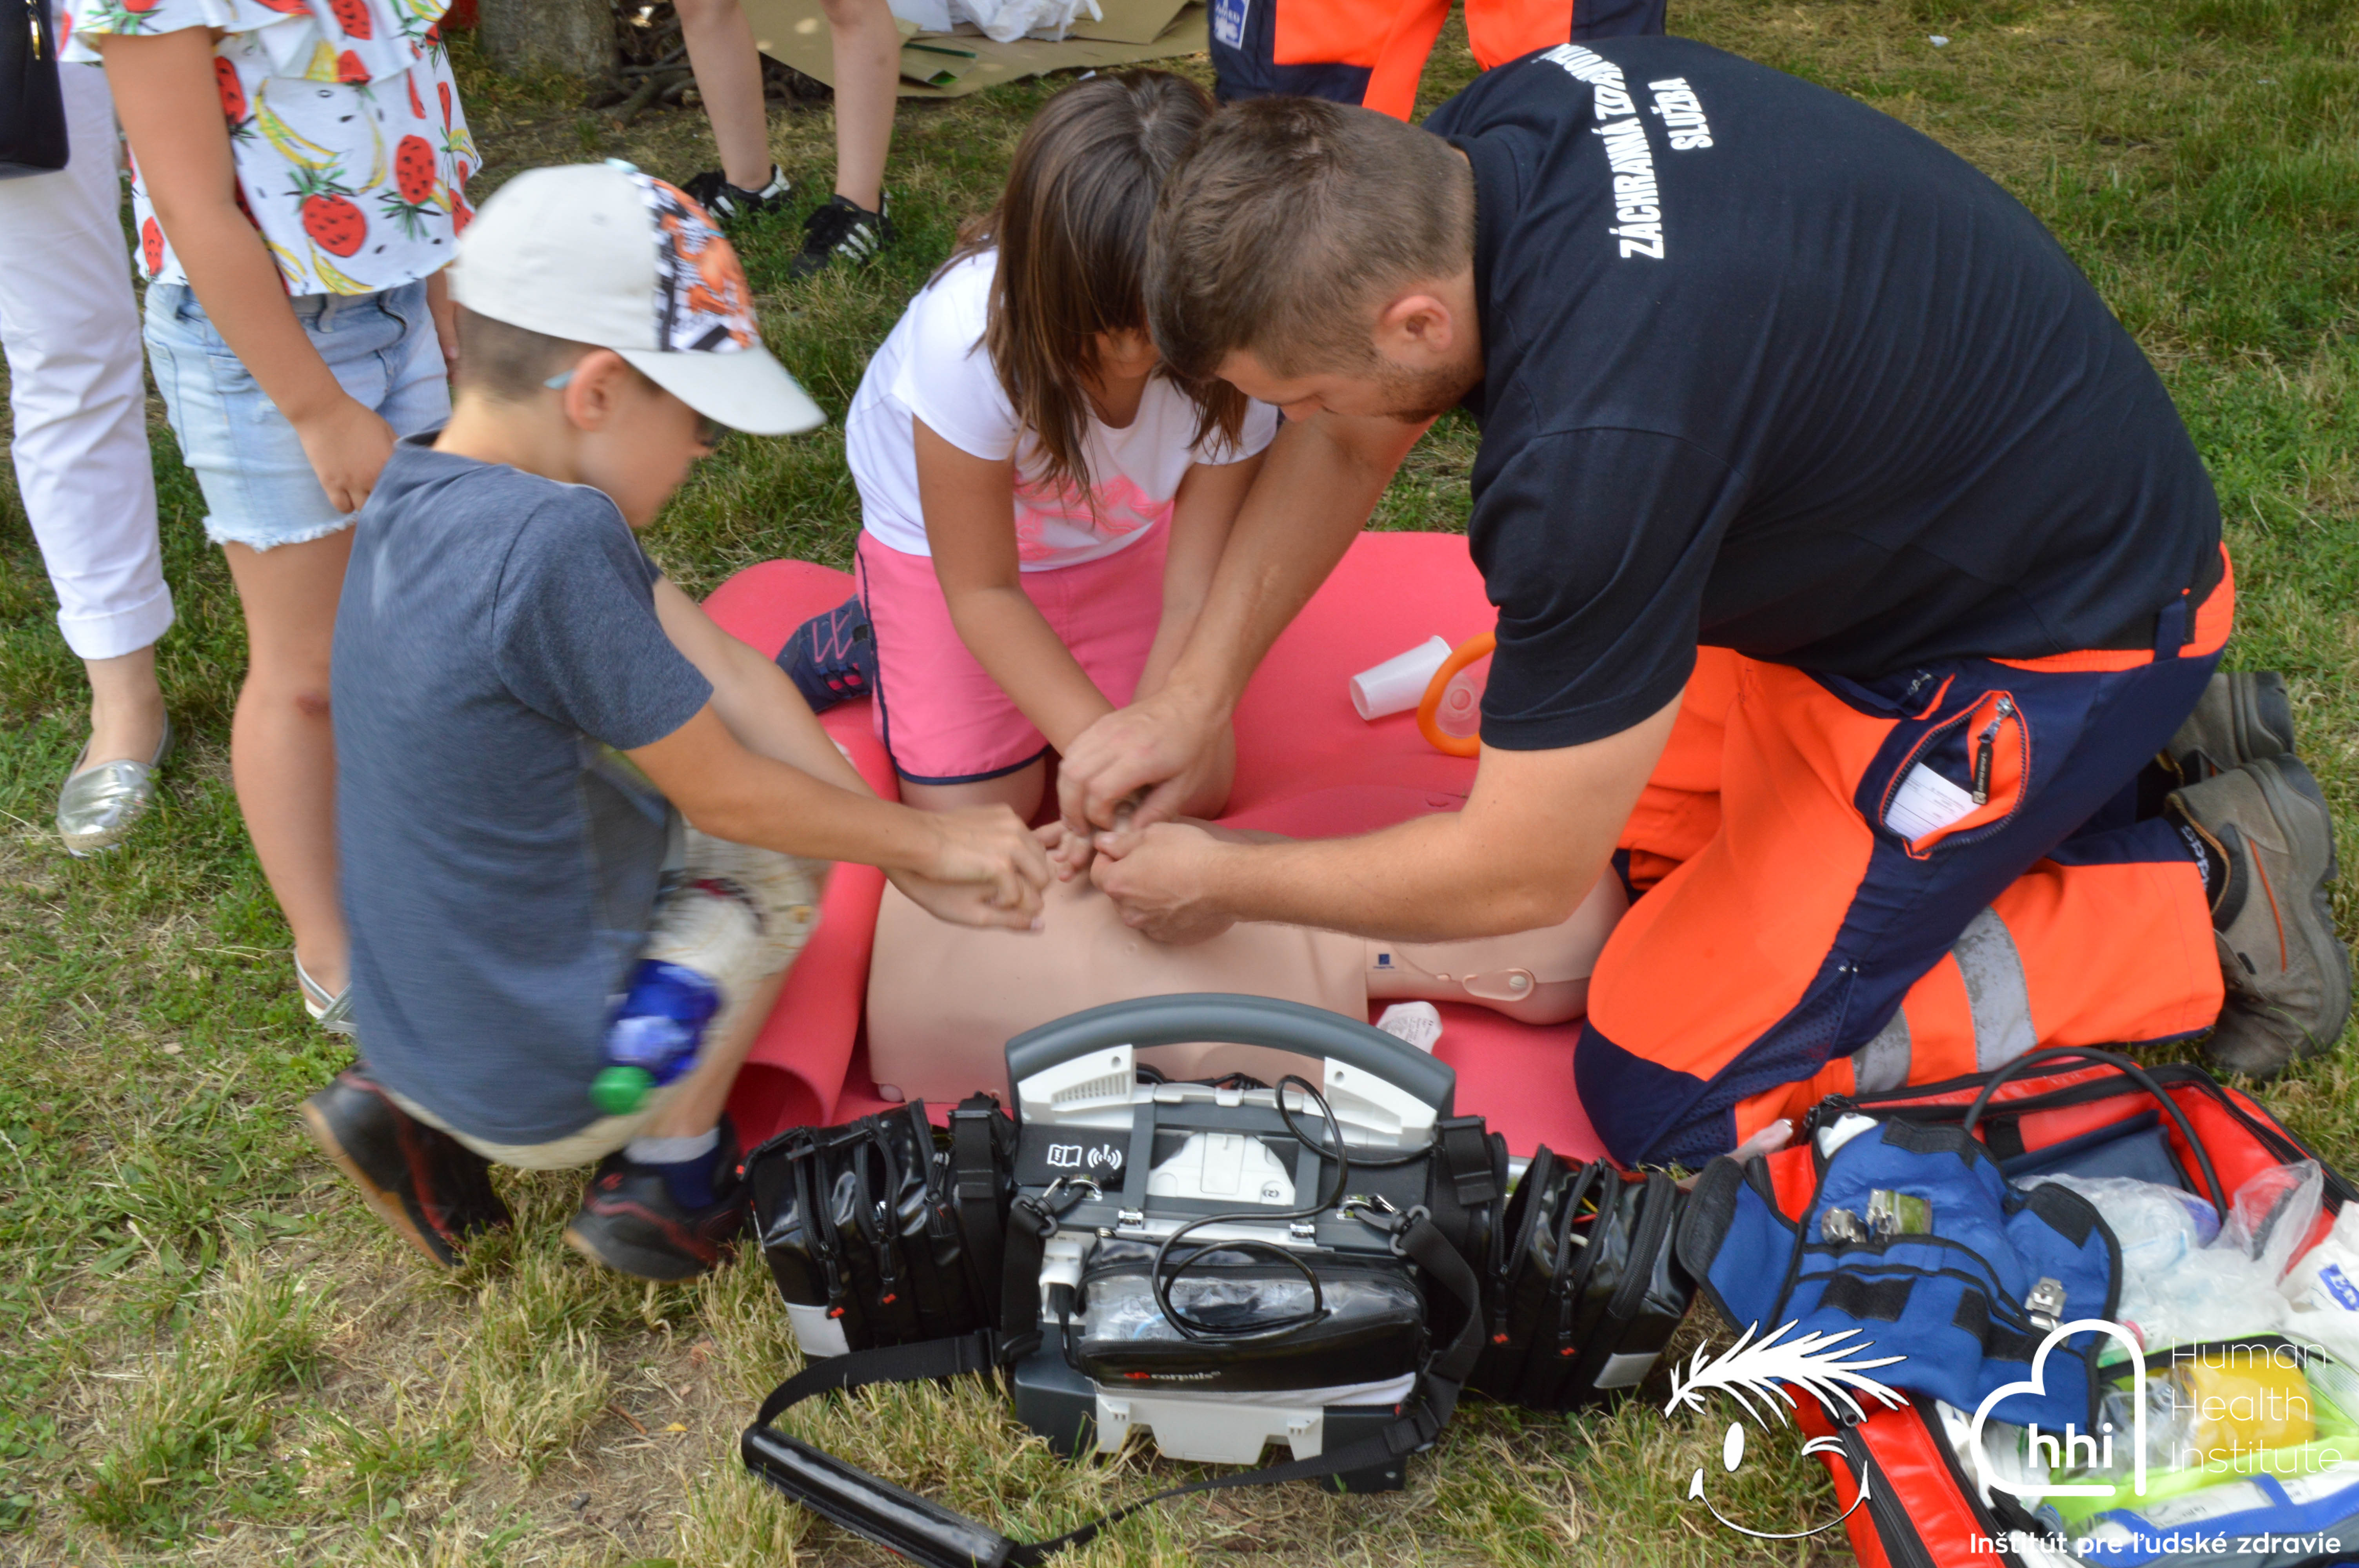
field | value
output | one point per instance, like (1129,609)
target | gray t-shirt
(497,632)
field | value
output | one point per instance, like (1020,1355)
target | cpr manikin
(944,999)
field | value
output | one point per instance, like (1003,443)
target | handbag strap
(938,1537)
(2050,1055)
(975,1165)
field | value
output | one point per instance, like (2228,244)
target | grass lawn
(210,1352)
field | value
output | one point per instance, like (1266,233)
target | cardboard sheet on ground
(1307,765)
(952,65)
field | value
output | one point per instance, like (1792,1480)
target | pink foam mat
(1307,765)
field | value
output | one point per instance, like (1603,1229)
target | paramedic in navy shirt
(1853,568)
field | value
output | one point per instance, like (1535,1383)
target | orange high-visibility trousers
(1498,31)
(1373,52)
(1807,924)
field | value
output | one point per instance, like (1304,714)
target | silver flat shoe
(100,804)
(332,1013)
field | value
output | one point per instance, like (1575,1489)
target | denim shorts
(259,488)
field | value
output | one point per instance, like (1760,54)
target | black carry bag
(32,104)
(882,1232)
(1223,1264)
(1584,1290)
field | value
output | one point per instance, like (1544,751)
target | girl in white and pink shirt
(1042,504)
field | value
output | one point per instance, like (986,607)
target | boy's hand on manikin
(988,869)
(348,444)
(1072,853)
(1069,853)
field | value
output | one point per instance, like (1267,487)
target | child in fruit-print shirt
(299,170)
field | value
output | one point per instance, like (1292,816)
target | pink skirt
(941,717)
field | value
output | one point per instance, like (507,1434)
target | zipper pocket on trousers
(1999,763)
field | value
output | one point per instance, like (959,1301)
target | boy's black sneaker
(832,657)
(732,205)
(843,231)
(630,1222)
(433,1190)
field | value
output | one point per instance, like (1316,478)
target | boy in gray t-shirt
(522,702)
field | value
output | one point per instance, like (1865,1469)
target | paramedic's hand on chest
(1533,837)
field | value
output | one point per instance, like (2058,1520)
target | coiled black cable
(1364,1160)
(1160,1282)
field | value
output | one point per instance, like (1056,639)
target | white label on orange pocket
(1926,803)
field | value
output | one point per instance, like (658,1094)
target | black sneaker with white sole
(2288,972)
(732,205)
(841,231)
(630,1222)
(434,1191)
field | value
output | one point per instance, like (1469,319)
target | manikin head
(1320,257)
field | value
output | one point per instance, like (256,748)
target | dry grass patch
(197,1421)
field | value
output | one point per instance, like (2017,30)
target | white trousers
(71,332)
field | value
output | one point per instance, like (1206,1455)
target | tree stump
(575,37)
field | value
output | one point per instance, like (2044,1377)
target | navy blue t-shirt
(1764,369)
(497,647)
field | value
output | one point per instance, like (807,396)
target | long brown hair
(1071,228)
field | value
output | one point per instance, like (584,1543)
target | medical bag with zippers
(1907,1476)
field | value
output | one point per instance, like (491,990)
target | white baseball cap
(603,254)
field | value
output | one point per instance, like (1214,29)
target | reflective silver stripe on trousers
(1996,994)
(1883,1063)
